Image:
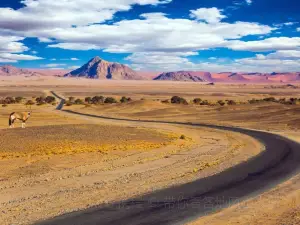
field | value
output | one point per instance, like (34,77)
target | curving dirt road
(178,205)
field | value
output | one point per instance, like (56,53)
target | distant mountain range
(9,70)
(98,68)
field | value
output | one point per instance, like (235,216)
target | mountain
(9,70)
(98,68)
(185,76)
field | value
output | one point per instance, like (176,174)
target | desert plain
(68,163)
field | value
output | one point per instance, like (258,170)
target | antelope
(22,116)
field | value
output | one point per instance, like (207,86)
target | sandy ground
(43,186)
(57,170)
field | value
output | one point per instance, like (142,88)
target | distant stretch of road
(178,205)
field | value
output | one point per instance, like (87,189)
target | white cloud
(74,59)
(249,2)
(289,23)
(54,65)
(269,44)
(285,54)
(210,15)
(53,59)
(9,57)
(45,40)
(152,35)
(49,14)
(11,44)
(298,29)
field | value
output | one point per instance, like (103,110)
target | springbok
(23,116)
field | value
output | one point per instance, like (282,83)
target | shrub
(197,101)
(4,105)
(98,99)
(110,100)
(8,100)
(19,99)
(125,100)
(182,137)
(178,100)
(269,99)
(29,102)
(68,103)
(231,102)
(221,102)
(50,99)
(71,99)
(79,102)
(88,100)
(205,102)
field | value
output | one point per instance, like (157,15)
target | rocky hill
(185,76)
(98,68)
(9,70)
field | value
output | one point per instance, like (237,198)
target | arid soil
(35,187)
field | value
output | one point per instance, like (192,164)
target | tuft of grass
(182,137)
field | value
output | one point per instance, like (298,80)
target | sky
(153,35)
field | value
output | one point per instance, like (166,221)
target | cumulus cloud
(11,44)
(49,14)
(209,15)
(269,44)
(151,34)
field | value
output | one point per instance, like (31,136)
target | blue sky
(153,35)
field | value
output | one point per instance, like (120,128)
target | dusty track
(177,205)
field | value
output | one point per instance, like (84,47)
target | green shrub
(125,100)
(79,102)
(110,100)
